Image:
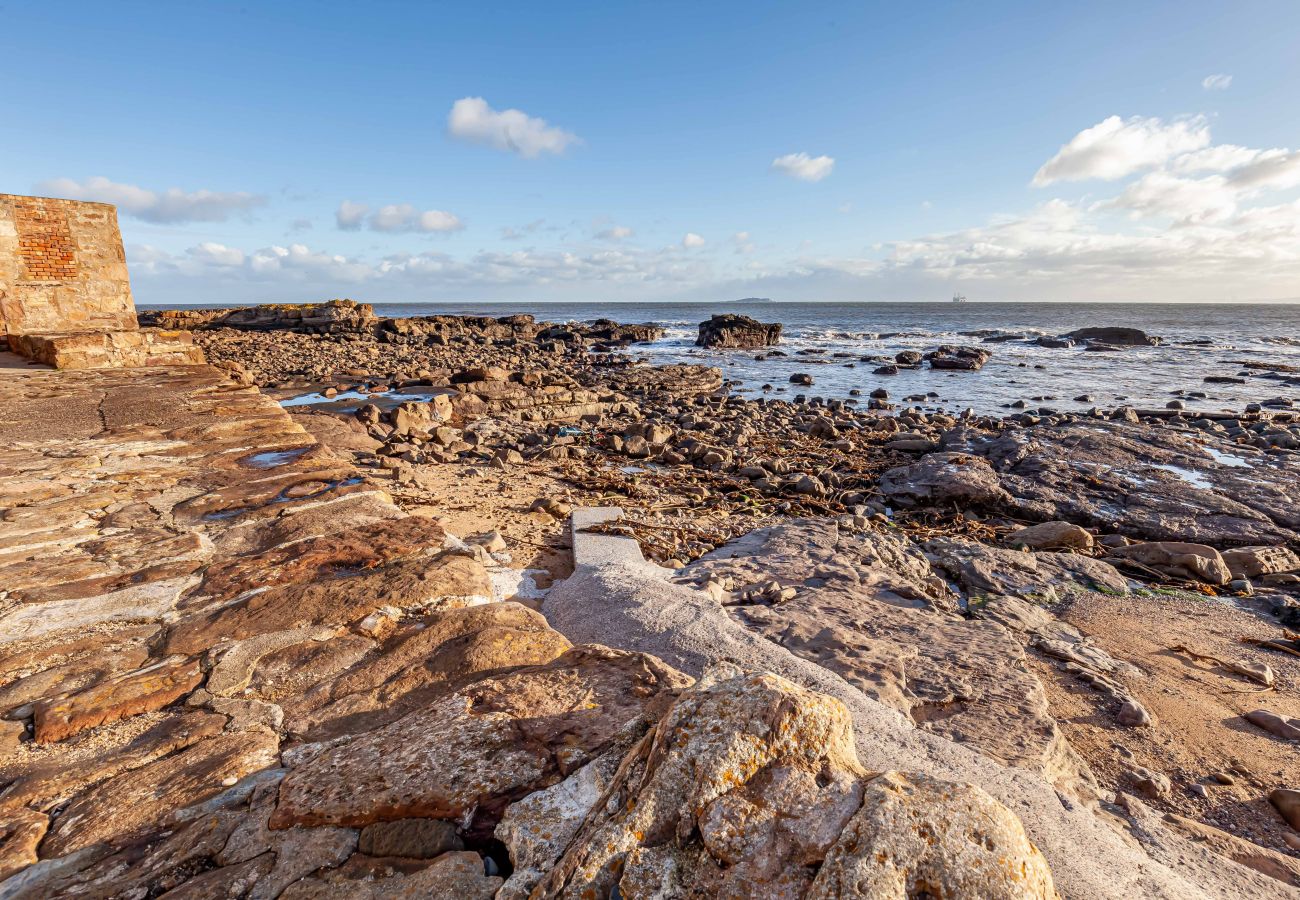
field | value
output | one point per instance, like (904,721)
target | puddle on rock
(270,459)
(1195,479)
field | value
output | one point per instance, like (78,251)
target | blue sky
(665,151)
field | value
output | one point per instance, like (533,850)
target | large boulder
(1251,562)
(1115,336)
(965,359)
(1177,559)
(751,787)
(943,478)
(730,331)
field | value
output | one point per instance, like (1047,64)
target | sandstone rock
(537,829)
(1287,802)
(473,752)
(750,786)
(1052,536)
(945,478)
(1251,562)
(413,838)
(21,831)
(126,695)
(134,800)
(452,648)
(917,836)
(1180,560)
(452,875)
(735,332)
(764,772)
(51,783)
(446,580)
(983,570)
(1274,724)
(1284,868)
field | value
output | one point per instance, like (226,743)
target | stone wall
(62,267)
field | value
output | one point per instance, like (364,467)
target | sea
(830,341)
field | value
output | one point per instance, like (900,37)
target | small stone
(1133,714)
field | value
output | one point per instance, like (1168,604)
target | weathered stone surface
(1285,869)
(762,771)
(21,831)
(343,551)
(1128,478)
(1052,536)
(447,580)
(452,648)
(1251,562)
(985,570)
(916,836)
(537,829)
(50,783)
(476,750)
(969,359)
(127,803)
(750,786)
(945,478)
(869,606)
(149,688)
(1195,562)
(457,874)
(412,838)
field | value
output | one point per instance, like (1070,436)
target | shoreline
(1069,616)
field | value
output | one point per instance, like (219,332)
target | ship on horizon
(959,298)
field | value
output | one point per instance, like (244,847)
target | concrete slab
(601,549)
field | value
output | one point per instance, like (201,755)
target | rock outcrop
(730,331)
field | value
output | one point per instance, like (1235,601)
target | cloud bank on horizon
(1179,207)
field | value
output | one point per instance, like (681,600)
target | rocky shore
(314,621)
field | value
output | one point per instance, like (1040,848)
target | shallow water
(1143,376)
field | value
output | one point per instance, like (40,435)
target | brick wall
(62,267)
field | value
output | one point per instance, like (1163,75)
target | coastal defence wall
(62,268)
(65,294)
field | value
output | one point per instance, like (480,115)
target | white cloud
(804,167)
(1187,201)
(172,206)
(1218,158)
(1270,170)
(395,218)
(1206,222)
(297,270)
(472,120)
(217,254)
(350,215)
(614,233)
(1115,147)
(403,217)
(1216,82)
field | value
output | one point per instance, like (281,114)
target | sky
(623,152)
